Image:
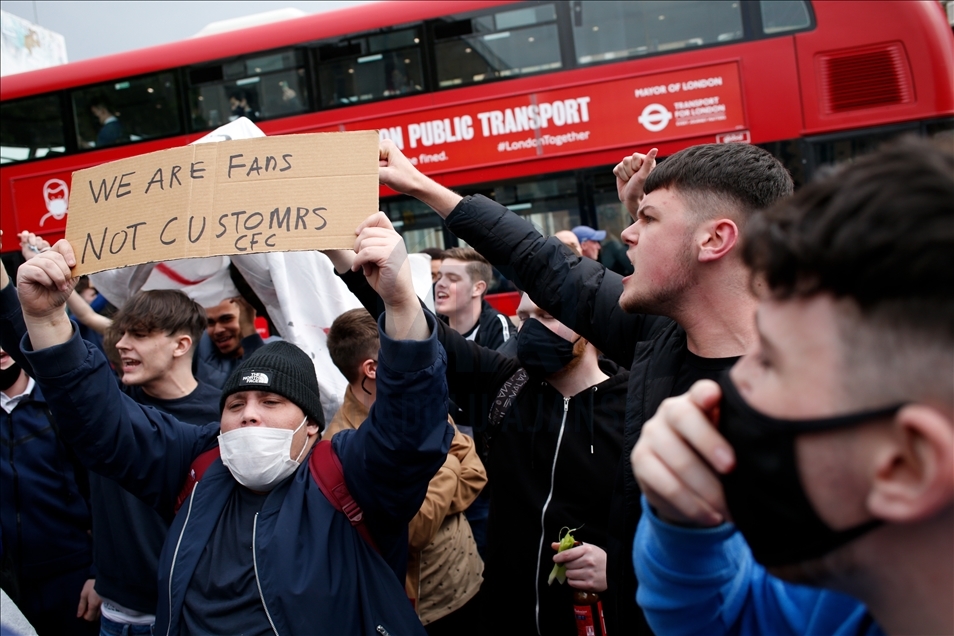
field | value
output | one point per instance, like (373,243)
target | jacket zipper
(257,582)
(543,514)
(175,554)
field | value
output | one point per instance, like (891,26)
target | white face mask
(259,457)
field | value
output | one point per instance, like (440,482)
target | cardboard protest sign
(284,193)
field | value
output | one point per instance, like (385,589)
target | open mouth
(441,295)
(130,364)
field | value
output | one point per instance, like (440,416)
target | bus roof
(197,50)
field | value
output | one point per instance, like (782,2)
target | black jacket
(584,295)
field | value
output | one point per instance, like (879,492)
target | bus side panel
(894,63)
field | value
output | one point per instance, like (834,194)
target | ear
(914,472)
(479,288)
(311,429)
(183,345)
(370,368)
(716,238)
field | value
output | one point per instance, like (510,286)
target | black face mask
(540,351)
(764,492)
(9,376)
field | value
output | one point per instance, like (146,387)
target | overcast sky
(92,29)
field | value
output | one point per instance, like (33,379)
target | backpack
(325,470)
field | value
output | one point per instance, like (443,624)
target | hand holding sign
(44,284)
(380,253)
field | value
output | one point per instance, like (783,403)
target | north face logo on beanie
(255,378)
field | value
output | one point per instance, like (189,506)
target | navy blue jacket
(44,515)
(315,572)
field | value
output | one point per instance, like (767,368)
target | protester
(459,296)
(589,240)
(444,569)
(308,566)
(686,315)
(230,338)
(155,332)
(563,407)
(832,444)
(44,508)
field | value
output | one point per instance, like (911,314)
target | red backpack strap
(198,468)
(328,474)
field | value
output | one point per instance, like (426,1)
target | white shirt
(9,403)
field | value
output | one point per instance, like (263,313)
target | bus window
(604,31)
(370,67)
(416,222)
(32,128)
(779,16)
(126,110)
(258,87)
(503,44)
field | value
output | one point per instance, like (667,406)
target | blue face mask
(764,492)
(542,352)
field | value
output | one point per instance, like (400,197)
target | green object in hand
(566,542)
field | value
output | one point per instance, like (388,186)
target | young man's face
(454,289)
(797,372)
(224,328)
(148,356)
(527,309)
(260,408)
(435,269)
(661,251)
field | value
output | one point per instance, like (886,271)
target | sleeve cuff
(57,360)
(409,356)
(698,543)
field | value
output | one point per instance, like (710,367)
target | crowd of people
(747,427)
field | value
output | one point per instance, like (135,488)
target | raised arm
(148,452)
(390,459)
(580,293)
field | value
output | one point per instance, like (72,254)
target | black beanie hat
(279,367)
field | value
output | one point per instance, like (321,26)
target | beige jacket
(444,570)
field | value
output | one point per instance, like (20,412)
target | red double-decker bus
(530,103)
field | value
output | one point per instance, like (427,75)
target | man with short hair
(831,445)
(589,240)
(459,296)
(257,547)
(685,315)
(229,338)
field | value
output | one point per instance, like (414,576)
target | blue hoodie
(705,581)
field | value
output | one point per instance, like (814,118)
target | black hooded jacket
(584,295)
